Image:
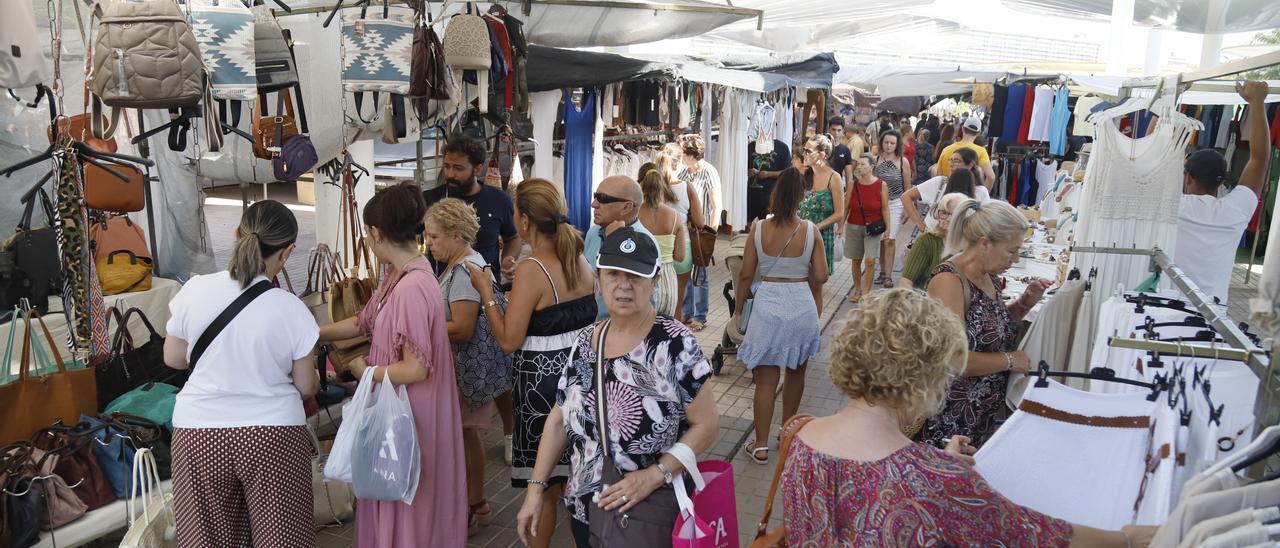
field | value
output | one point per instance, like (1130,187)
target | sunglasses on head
(608,198)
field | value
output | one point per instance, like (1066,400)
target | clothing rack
(1267,408)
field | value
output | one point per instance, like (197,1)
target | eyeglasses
(810,151)
(608,198)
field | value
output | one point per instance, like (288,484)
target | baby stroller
(731,338)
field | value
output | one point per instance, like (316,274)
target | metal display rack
(1266,408)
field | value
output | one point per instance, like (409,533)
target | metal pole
(144,150)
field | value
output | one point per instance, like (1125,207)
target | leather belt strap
(1040,409)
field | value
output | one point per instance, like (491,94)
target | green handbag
(151,401)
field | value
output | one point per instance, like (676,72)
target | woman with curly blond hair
(854,479)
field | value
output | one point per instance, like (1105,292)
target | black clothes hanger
(1190,321)
(1258,456)
(1096,374)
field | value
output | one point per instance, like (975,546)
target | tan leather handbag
(34,402)
(349,294)
(270,132)
(777,538)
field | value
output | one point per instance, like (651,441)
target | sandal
(696,325)
(476,520)
(753,454)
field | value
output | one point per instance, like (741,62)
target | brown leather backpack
(271,132)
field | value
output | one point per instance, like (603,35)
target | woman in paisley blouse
(657,401)
(853,478)
(823,203)
(983,240)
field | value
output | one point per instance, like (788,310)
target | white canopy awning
(893,80)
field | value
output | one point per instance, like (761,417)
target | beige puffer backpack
(466,46)
(145,56)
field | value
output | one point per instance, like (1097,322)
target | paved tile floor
(733,389)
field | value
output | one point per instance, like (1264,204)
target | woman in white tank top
(668,162)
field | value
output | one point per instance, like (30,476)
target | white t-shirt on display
(1209,232)
(244,376)
(931,193)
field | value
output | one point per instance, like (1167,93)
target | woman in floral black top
(655,375)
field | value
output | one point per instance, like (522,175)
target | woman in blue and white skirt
(782,331)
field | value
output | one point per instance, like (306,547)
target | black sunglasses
(608,199)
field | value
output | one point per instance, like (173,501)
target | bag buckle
(279,119)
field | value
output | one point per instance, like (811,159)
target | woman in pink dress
(405,321)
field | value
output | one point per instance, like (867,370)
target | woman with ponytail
(983,241)
(668,164)
(406,324)
(551,301)
(239,419)
(660,218)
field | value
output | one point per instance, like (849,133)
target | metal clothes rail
(1266,409)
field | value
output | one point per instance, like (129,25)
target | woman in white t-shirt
(241,450)
(930,192)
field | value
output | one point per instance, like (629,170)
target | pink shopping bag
(709,519)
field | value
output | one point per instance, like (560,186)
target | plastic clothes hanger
(1266,444)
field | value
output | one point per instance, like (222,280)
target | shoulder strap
(223,319)
(554,293)
(789,431)
(602,411)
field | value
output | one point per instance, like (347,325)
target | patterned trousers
(243,487)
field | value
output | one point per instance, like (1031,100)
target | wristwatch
(666,474)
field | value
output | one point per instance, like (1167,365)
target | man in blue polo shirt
(616,203)
(462,164)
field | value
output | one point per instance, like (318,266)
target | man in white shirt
(1209,225)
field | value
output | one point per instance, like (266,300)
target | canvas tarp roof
(890,81)
(555,68)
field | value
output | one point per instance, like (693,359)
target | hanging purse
(322,270)
(62,506)
(31,402)
(749,303)
(124,272)
(648,522)
(777,538)
(35,254)
(152,522)
(428,77)
(21,505)
(348,295)
(296,158)
(273,55)
(703,244)
(874,228)
(270,132)
(76,463)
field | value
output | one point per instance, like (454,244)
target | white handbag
(22,62)
(156,525)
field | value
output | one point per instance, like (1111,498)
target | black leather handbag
(131,365)
(32,268)
(22,504)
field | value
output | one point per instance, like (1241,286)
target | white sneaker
(506,449)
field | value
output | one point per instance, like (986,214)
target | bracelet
(1008,358)
(537,482)
(666,474)
(490,304)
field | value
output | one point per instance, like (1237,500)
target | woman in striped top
(705,181)
(891,166)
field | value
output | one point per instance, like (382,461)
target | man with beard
(462,164)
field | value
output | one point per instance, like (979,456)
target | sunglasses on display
(608,199)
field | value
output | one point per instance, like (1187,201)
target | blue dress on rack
(579,131)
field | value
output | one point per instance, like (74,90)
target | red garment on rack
(504,45)
(1275,127)
(1024,131)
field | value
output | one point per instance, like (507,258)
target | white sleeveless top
(682,205)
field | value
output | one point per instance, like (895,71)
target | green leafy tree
(1263,39)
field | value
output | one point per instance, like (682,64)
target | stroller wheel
(717,360)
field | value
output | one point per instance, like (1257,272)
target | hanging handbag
(378,51)
(348,295)
(483,369)
(117,233)
(22,61)
(62,506)
(275,68)
(32,402)
(124,272)
(296,158)
(649,522)
(146,434)
(271,131)
(777,538)
(76,463)
(322,270)
(428,76)
(21,505)
(35,254)
(227,44)
(130,366)
(749,303)
(152,523)
(874,228)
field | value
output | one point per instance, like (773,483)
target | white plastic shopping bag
(338,467)
(386,454)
